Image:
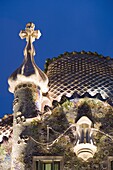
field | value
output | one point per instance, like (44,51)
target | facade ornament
(30,34)
(85,147)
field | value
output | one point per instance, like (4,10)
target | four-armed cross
(30,34)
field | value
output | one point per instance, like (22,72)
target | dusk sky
(66,25)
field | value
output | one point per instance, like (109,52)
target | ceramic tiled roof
(81,74)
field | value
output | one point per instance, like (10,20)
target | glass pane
(43,167)
(47,166)
(56,165)
(36,165)
(111,165)
(39,165)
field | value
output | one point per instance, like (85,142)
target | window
(47,163)
(110,163)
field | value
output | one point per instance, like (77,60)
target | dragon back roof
(81,74)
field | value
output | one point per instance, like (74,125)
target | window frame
(48,159)
(110,159)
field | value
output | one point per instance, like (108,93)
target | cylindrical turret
(26,110)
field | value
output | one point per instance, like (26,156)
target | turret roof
(29,71)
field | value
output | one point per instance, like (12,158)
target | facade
(63,117)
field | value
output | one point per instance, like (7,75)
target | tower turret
(28,83)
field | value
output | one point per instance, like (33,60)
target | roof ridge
(51,60)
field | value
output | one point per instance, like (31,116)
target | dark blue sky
(66,25)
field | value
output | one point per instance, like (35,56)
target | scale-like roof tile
(80,74)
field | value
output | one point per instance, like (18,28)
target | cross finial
(30,34)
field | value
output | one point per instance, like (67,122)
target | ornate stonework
(29,71)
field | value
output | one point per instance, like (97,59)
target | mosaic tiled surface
(81,74)
(6,128)
(6,141)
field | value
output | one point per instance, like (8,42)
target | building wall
(63,115)
(5,155)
